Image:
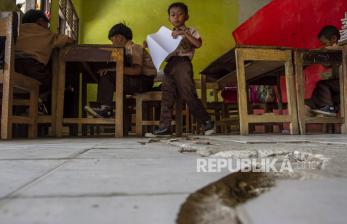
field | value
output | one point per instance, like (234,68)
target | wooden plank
(150,123)
(344,90)
(300,87)
(21,102)
(324,120)
(21,120)
(88,121)
(291,96)
(118,57)
(7,88)
(258,54)
(44,119)
(269,118)
(151,96)
(242,92)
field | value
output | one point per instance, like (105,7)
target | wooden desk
(304,58)
(91,54)
(254,65)
(274,55)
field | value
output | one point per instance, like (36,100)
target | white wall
(249,7)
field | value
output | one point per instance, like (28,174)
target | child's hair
(329,32)
(121,29)
(180,5)
(32,16)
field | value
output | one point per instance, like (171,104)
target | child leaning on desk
(34,47)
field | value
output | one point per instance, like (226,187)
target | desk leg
(203,90)
(55,75)
(60,96)
(291,96)
(242,92)
(117,55)
(343,81)
(300,88)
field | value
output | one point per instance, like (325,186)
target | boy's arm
(136,61)
(196,42)
(62,40)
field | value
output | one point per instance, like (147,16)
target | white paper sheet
(161,44)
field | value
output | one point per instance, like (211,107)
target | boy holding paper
(178,78)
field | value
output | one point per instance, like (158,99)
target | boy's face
(328,42)
(119,40)
(177,17)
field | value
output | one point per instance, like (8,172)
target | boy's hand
(177,33)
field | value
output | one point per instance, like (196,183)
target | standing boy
(325,98)
(178,78)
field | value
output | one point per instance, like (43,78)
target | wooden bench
(10,81)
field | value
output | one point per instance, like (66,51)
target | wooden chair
(11,80)
(156,96)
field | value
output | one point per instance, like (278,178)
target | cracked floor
(133,180)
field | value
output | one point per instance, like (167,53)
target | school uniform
(33,50)
(134,55)
(179,79)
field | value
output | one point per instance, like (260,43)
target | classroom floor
(141,180)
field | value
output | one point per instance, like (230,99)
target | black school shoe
(326,110)
(100,112)
(209,128)
(162,132)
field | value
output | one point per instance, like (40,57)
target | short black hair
(121,29)
(32,16)
(329,32)
(180,5)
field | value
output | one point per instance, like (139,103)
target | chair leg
(139,116)
(6,115)
(179,119)
(33,113)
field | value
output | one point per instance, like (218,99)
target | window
(68,19)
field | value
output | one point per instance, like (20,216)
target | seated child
(325,98)
(34,47)
(178,78)
(139,72)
